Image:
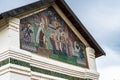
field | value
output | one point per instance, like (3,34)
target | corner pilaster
(91,58)
(13,27)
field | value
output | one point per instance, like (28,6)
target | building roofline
(80,27)
(68,13)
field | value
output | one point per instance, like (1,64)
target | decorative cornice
(26,59)
(4,62)
(14,61)
(18,62)
(35,69)
(39,70)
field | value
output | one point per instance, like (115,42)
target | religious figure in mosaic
(47,33)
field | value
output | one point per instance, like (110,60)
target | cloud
(103,23)
(109,65)
(110,73)
(102,20)
(111,58)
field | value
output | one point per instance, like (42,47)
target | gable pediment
(47,33)
(18,12)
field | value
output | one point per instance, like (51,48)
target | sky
(101,18)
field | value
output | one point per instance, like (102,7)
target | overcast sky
(102,20)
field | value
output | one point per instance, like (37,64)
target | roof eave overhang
(80,27)
(68,13)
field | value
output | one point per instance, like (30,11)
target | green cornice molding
(18,62)
(14,61)
(4,62)
(39,70)
(35,69)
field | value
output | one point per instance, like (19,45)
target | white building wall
(12,48)
(9,35)
(4,39)
(5,76)
(14,33)
(15,76)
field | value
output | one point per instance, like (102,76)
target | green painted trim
(14,61)
(35,69)
(18,62)
(4,62)
(39,70)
